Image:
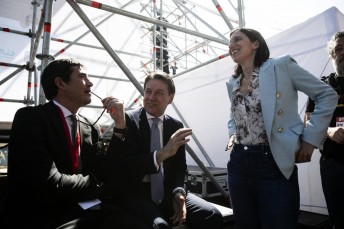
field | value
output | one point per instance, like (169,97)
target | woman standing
(266,134)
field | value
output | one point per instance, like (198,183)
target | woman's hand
(304,154)
(230,143)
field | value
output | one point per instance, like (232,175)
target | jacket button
(280,129)
(280,112)
(278,95)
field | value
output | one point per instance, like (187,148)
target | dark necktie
(74,128)
(75,142)
(157,179)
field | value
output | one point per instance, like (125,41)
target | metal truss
(190,35)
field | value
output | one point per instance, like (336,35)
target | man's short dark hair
(159,75)
(58,68)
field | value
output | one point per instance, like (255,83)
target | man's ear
(171,98)
(59,82)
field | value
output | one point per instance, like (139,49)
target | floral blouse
(248,116)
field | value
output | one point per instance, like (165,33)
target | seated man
(144,162)
(54,164)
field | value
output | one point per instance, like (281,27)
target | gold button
(280,129)
(280,112)
(278,95)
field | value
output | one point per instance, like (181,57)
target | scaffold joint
(27,67)
(42,56)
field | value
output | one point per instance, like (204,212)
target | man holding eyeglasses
(154,170)
(55,166)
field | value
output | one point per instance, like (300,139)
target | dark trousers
(104,216)
(332,178)
(200,213)
(261,197)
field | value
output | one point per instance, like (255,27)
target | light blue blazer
(280,79)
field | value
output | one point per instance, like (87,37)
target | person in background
(55,162)
(141,164)
(332,153)
(266,134)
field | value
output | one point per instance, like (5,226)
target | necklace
(246,85)
(249,88)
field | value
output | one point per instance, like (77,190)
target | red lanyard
(73,149)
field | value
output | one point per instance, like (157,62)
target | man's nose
(89,83)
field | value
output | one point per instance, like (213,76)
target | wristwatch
(120,131)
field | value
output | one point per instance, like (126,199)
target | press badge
(339,121)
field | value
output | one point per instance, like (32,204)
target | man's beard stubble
(340,66)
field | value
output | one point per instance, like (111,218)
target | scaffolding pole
(204,22)
(241,8)
(45,57)
(150,20)
(96,47)
(105,44)
(20,68)
(194,137)
(31,63)
(194,26)
(154,36)
(201,65)
(224,16)
(207,172)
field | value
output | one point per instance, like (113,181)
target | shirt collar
(65,111)
(151,116)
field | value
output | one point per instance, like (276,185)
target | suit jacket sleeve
(39,159)
(137,160)
(175,167)
(324,97)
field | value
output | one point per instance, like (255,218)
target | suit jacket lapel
(56,123)
(85,131)
(167,129)
(144,130)
(267,93)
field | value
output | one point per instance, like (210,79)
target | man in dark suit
(54,174)
(140,163)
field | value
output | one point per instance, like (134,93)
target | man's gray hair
(331,43)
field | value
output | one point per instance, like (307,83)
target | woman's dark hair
(163,77)
(58,68)
(262,53)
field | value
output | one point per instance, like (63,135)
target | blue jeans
(261,197)
(332,178)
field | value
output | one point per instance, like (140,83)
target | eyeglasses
(98,117)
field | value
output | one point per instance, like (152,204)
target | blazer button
(280,129)
(280,112)
(278,95)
